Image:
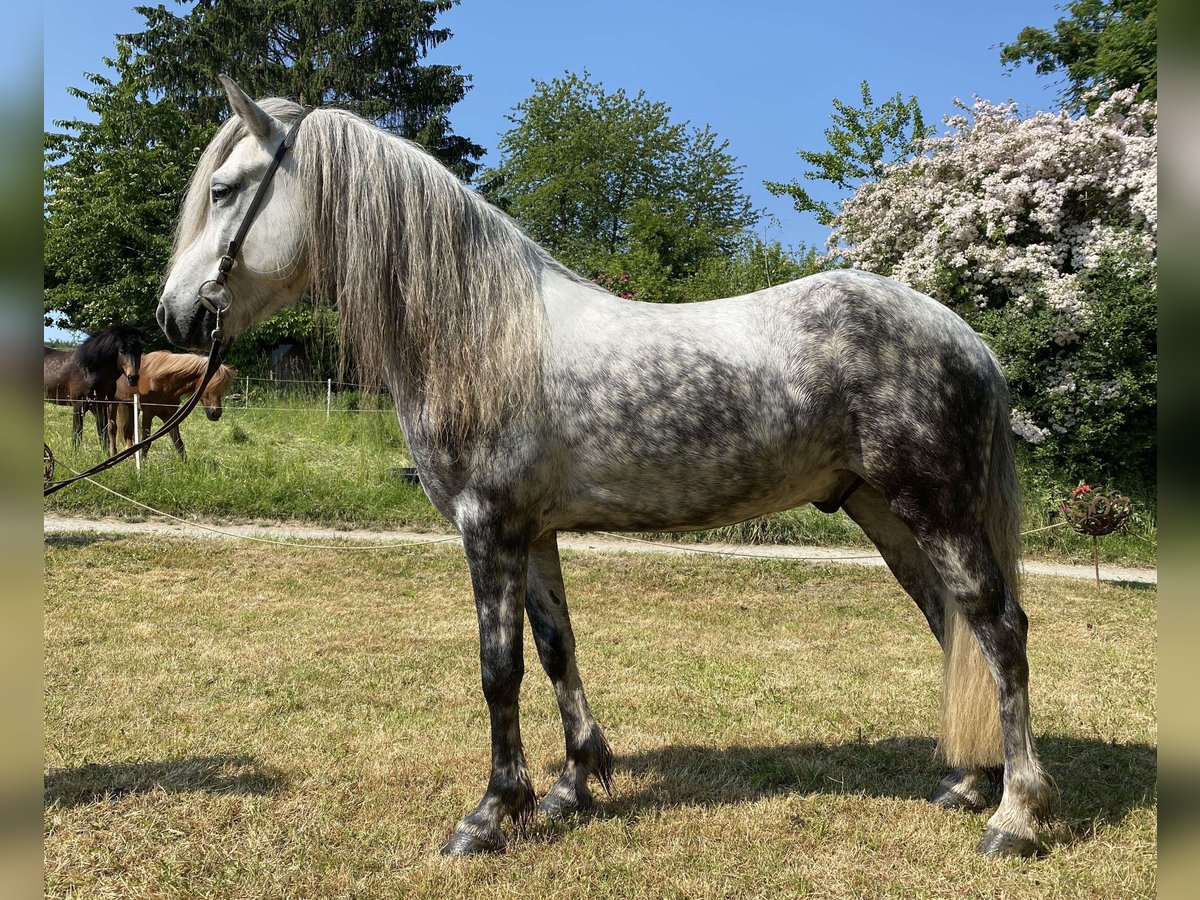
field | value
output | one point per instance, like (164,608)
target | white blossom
(1007,213)
(1002,208)
(1023,426)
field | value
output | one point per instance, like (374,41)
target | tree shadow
(1098,782)
(93,782)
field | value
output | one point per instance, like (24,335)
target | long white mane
(432,284)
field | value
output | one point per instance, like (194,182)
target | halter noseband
(214,294)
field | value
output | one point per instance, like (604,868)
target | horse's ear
(257,120)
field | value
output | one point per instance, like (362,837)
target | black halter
(214,294)
(219,292)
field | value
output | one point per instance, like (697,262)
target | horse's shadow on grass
(1098,782)
(1135,585)
(93,782)
(77,539)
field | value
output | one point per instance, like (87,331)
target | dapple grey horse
(535,402)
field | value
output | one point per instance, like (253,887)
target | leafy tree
(608,183)
(111,190)
(753,266)
(863,142)
(1097,397)
(1101,47)
(112,186)
(355,54)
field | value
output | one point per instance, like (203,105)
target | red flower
(1082,489)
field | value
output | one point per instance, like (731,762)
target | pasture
(224,720)
(276,456)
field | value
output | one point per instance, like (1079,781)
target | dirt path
(597,543)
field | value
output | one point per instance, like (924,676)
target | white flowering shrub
(1043,233)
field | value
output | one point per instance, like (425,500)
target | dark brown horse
(86,377)
(165,379)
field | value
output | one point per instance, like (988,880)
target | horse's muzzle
(132,379)
(193,333)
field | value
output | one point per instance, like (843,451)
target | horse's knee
(501,674)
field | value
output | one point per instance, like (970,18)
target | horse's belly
(681,498)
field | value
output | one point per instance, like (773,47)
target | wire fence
(239,402)
(247,408)
(831,555)
(248,397)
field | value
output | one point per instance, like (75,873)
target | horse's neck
(107,369)
(176,384)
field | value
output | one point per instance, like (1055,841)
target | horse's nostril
(133,379)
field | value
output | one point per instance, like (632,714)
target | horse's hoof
(1004,843)
(563,805)
(471,843)
(949,798)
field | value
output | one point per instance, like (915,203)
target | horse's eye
(222,192)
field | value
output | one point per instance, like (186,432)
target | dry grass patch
(231,721)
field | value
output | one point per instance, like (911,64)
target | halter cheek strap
(217,299)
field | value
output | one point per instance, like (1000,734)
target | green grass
(223,720)
(281,459)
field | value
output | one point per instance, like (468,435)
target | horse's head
(270,270)
(129,352)
(112,352)
(221,382)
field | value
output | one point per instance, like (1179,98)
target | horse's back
(684,415)
(727,409)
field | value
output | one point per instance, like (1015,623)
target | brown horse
(87,377)
(166,379)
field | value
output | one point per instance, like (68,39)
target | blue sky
(761,75)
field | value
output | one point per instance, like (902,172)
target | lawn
(278,456)
(227,720)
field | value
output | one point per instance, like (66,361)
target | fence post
(137,431)
(328,395)
(246,393)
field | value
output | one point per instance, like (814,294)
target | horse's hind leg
(963,788)
(587,752)
(908,562)
(986,625)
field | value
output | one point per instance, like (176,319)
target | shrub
(1043,233)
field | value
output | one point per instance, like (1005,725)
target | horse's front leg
(101,412)
(498,561)
(77,413)
(177,440)
(114,422)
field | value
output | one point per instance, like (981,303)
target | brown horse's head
(221,382)
(129,352)
(116,348)
(130,362)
